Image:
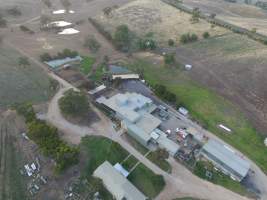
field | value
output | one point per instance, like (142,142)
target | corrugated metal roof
(227,156)
(168,144)
(59,62)
(117,184)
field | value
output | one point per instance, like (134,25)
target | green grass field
(19,84)
(130,163)
(146,181)
(209,109)
(86,65)
(163,164)
(99,149)
(219,178)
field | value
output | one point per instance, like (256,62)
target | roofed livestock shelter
(119,186)
(226,159)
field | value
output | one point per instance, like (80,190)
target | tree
(92,44)
(206,35)
(45,19)
(107,11)
(66,4)
(66,156)
(171,42)
(186,38)
(47,3)
(195,15)
(122,38)
(3,22)
(74,103)
(15,11)
(45,57)
(162,154)
(23,61)
(169,59)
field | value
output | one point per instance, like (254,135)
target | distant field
(209,108)
(19,84)
(247,16)
(154,16)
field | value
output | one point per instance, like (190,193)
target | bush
(162,92)
(45,57)
(169,59)
(171,42)
(3,22)
(47,138)
(92,44)
(187,38)
(206,35)
(74,103)
(14,11)
(122,38)
(26,29)
(147,44)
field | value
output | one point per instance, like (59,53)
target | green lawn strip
(86,64)
(209,109)
(163,164)
(130,163)
(100,149)
(146,181)
(97,74)
(143,150)
(219,178)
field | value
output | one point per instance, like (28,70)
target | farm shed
(226,159)
(120,187)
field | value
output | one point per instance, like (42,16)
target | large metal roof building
(117,184)
(226,159)
(134,110)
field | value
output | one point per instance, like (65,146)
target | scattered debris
(24,135)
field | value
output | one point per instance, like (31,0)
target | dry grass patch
(155,16)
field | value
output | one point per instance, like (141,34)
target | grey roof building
(117,184)
(134,110)
(226,159)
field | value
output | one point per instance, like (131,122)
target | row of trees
(162,92)
(47,138)
(187,38)
(45,57)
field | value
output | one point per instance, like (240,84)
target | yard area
(146,181)
(208,108)
(86,64)
(18,83)
(163,164)
(219,178)
(98,149)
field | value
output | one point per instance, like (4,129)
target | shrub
(171,42)
(187,38)
(3,22)
(147,44)
(47,138)
(45,57)
(91,43)
(169,59)
(26,29)
(161,91)
(15,11)
(206,35)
